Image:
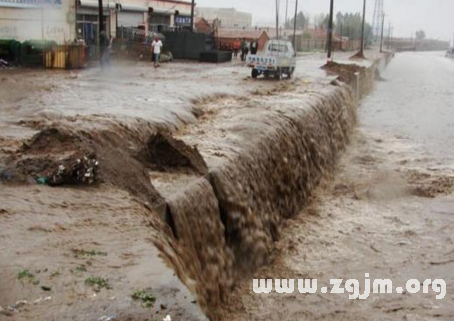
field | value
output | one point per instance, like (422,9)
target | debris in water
(41,299)
(4,63)
(6,175)
(19,304)
(82,171)
(42,180)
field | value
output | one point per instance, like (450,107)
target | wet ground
(66,238)
(129,91)
(81,253)
(388,210)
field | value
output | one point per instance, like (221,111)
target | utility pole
(341,33)
(294,27)
(330,29)
(382,31)
(389,35)
(361,53)
(286,13)
(277,19)
(192,15)
(100,27)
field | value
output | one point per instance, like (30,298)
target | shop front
(183,21)
(169,15)
(87,22)
(37,20)
(131,15)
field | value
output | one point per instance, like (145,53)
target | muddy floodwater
(207,179)
(388,210)
(415,100)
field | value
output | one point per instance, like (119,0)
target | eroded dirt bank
(212,203)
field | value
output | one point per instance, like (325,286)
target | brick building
(226,37)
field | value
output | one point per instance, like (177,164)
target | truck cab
(277,59)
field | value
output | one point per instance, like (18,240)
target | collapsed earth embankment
(217,190)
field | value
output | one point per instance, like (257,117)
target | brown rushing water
(387,211)
(265,152)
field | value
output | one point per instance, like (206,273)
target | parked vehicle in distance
(277,59)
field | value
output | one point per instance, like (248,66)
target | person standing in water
(254,47)
(244,49)
(106,48)
(236,47)
(156,48)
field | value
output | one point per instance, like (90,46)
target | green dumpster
(10,50)
(33,51)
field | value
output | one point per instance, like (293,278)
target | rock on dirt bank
(209,198)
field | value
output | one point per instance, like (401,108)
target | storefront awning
(185,13)
(94,4)
(170,11)
(128,7)
(30,3)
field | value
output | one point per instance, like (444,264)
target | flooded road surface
(388,210)
(416,100)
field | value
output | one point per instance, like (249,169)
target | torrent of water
(264,155)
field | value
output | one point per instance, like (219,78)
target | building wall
(22,20)
(230,18)
(56,20)
(263,39)
(226,43)
(168,8)
(203,26)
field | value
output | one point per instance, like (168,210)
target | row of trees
(346,24)
(303,21)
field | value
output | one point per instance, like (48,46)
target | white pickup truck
(277,58)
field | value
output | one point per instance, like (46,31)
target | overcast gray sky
(436,17)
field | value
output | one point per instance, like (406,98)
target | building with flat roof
(65,20)
(37,20)
(228,17)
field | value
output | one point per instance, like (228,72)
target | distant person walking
(156,48)
(254,47)
(236,47)
(106,49)
(244,49)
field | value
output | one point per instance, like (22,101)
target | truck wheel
(290,74)
(255,73)
(278,75)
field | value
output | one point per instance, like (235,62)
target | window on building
(159,22)
(87,27)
